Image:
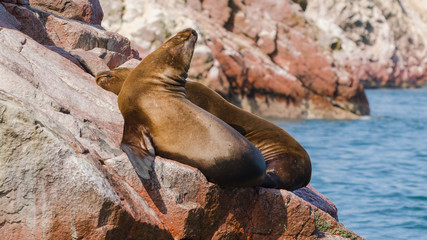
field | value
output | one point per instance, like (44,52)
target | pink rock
(266,58)
(30,24)
(267,41)
(65,54)
(88,11)
(71,35)
(191,207)
(194,4)
(76,183)
(112,59)
(90,61)
(218,10)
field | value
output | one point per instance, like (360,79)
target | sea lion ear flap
(136,143)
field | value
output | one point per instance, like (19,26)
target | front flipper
(136,143)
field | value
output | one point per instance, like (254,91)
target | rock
(95,48)
(262,56)
(193,208)
(383,43)
(19,2)
(88,11)
(56,125)
(7,20)
(62,175)
(66,55)
(30,24)
(90,61)
(219,11)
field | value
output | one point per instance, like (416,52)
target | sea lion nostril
(194,32)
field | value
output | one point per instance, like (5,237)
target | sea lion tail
(136,143)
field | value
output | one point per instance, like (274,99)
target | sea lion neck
(168,65)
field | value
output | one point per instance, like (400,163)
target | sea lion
(157,112)
(288,164)
(113,80)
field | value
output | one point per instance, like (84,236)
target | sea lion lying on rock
(288,164)
(157,113)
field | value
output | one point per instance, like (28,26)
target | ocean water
(374,169)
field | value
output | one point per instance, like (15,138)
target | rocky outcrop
(62,175)
(88,11)
(261,55)
(89,46)
(383,43)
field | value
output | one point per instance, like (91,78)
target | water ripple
(375,169)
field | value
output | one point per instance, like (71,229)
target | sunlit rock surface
(263,56)
(62,175)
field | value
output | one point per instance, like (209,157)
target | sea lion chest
(181,130)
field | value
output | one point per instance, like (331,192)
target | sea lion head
(173,58)
(181,47)
(113,80)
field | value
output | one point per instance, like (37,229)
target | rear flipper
(271,180)
(136,143)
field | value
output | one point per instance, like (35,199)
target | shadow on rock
(238,213)
(152,187)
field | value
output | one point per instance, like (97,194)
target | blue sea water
(374,169)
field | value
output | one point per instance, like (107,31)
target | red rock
(90,61)
(50,30)
(193,208)
(71,35)
(88,11)
(266,57)
(110,58)
(29,23)
(305,61)
(76,183)
(267,40)
(217,10)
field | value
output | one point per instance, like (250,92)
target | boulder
(88,11)
(97,49)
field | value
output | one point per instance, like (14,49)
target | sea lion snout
(189,31)
(188,34)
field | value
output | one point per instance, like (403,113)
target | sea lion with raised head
(288,164)
(157,113)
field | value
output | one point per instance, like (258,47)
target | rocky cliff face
(261,55)
(62,175)
(383,43)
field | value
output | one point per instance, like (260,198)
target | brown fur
(288,164)
(157,113)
